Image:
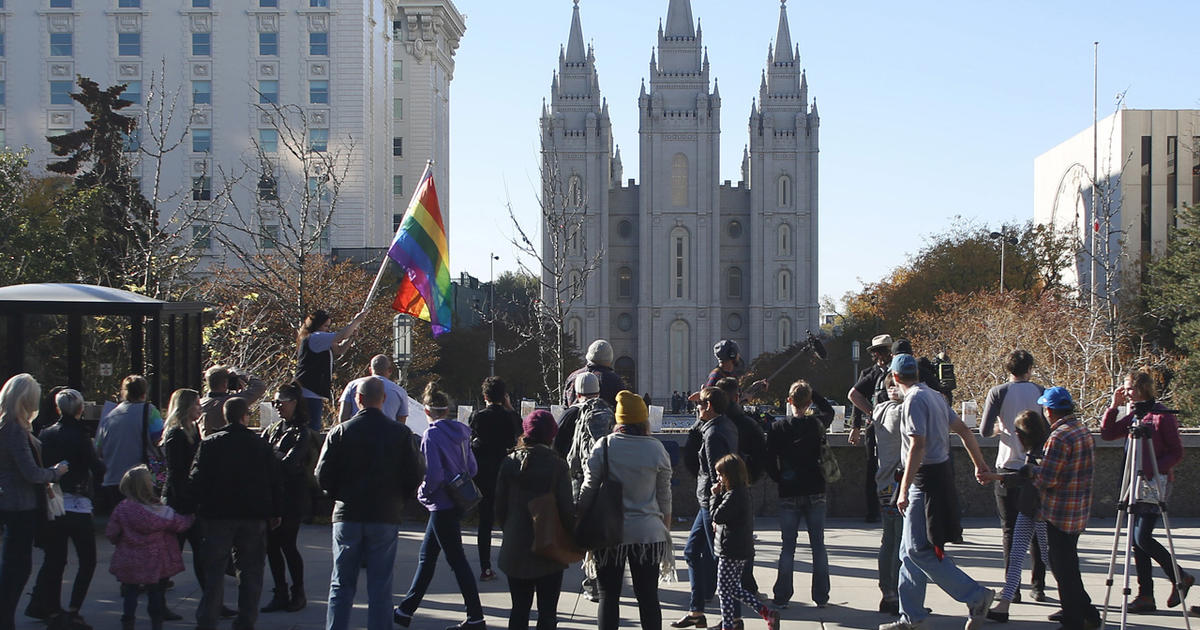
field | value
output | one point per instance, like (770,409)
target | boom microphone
(817,347)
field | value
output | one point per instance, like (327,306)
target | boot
(279,601)
(156,623)
(299,601)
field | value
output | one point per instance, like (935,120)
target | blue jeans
(351,543)
(316,409)
(889,551)
(701,561)
(442,533)
(919,566)
(812,509)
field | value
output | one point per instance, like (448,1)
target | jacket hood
(537,458)
(448,430)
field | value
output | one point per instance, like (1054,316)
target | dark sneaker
(1187,582)
(487,575)
(401,618)
(1142,604)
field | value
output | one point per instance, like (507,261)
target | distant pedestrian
(531,471)
(446,456)
(181,438)
(395,404)
(123,434)
(599,362)
(145,541)
(885,422)
(733,520)
(494,431)
(369,466)
(223,383)
(316,348)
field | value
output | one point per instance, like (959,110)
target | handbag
(152,454)
(462,489)
(55,506)
(601,521)
(1152,491)
(550,537)
(830,470)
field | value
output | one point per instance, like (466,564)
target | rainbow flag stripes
(421,252)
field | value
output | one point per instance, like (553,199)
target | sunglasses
(279,403)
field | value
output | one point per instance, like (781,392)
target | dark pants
(1007,500)
(522,591)
(487,518)
(1145,548)
(247,540)
(1064,563)
(281,549)
(157,607)
(16,561)
(701,561)
(442,533)
(870,492)
(194,536)
(643,569)
(77,528)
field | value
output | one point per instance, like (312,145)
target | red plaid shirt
(1065,476)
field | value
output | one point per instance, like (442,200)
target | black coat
(494,432)
(793,461)
(180,453)
(733,522)
(369,466)
(296,448)
(235,476)
(68,440)
(718,438)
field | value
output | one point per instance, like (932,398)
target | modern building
(255,93)
(1147,164)
(681,258)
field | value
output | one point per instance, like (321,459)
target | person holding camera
(225,382)
(1138,390)
(864,395)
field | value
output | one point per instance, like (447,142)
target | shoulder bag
(462,489)
(830,470)
(601,522)
(550,537)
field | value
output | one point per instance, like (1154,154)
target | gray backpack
(596,420)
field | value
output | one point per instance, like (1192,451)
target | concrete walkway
(852,547)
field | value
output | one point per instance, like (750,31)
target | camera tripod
(1136,489)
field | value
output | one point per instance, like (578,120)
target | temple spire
(679,20)
(575,50)
(783,39)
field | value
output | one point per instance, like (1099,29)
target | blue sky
(928,109)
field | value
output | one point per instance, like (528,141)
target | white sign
(839,419)
(464,413)
(970,413)
(557,411)
(656,418)
(527,407)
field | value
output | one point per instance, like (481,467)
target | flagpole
(383,263)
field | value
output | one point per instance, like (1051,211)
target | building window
(268,4)
(733,322)
(60,92)
(625,282)
(398,147)
(397,184)
(574,285)
(575,240)
(268,44)
(679,180)
(268,92)
(1,41)
(201,44)
(132,142)
(129,44)
(734,229)
(268,140)
(318,190)
(397,219)
(3,139)
(318,91)
(624,229)
(624,322)
(397,70)
(318,4)
(268,187)
(783,240)
(784,192)
(201,188)
(269,237)
(679,262)
(733,283)
(201,92)
(575,330)
(1147,212)
(2,95)
(1196,170)
(1172,179)
(62,4)
(202,236)
(678,343)
(202,141)
(318,44)
(398,108)
(133,92)
(785,332)
(784,288)
(201,4)
(62,44)
(318,140)
(129,4)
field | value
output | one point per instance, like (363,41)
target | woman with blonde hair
(181,438)
(24,479)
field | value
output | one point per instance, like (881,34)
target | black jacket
(235,476)
(526,474)
(610,384)
(180,453)
(68,440)
(566,430)
(733,522)
(718,438)
(793,449)
(943,522)
(296,448)
(369,466)
(494,432)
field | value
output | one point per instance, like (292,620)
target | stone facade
(684,259)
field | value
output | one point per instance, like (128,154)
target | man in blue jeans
(928,484)
(369,466)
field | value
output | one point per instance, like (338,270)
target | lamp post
(854,356)
(1004,240)
(402,343)
(492,258)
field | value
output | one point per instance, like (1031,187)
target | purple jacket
(446,451)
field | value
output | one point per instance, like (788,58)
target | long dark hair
(1032,430)
(312,324)
(296,391)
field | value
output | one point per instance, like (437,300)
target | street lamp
(492,258)
(402,325)
(854,356)
(1004,240)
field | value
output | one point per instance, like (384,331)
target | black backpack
(752,445)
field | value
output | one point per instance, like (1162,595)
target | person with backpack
(793,461)
(752,448)
(595,420)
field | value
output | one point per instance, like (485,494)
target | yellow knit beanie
(631,409)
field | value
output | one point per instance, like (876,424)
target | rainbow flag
(423,257)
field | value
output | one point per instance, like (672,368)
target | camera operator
(864,398)
(225,382)
(1163,434)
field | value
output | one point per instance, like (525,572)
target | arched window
(784,191)
(784,288)
(679,180)
(575,240)
(680,254)
(785,332)
(574,192)
(624,367)
(733,283)
(575,330)
(783,242)
(574,285)
(680,367)
(624,282)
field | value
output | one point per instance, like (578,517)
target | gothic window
(575,240)
(733,283)
(575,330)
(679,262)
(783,243)
(735,229)
(625,229)
(624,282)
(624,367)
(680,367)
(679,180)
(784,192)
(575,192)
(785,332)
(784,288)
(575,285)
(624,322)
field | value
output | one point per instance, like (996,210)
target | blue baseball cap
(904,365)
(1057,398)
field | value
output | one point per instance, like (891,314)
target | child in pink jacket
(147,546)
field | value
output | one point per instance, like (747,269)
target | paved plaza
(852,547)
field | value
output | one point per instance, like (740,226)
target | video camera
(943,373)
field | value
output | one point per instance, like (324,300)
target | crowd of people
(592,486)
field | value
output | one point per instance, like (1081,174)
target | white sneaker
(978,611)
(901,624)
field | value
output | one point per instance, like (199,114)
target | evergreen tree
(1173,297)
